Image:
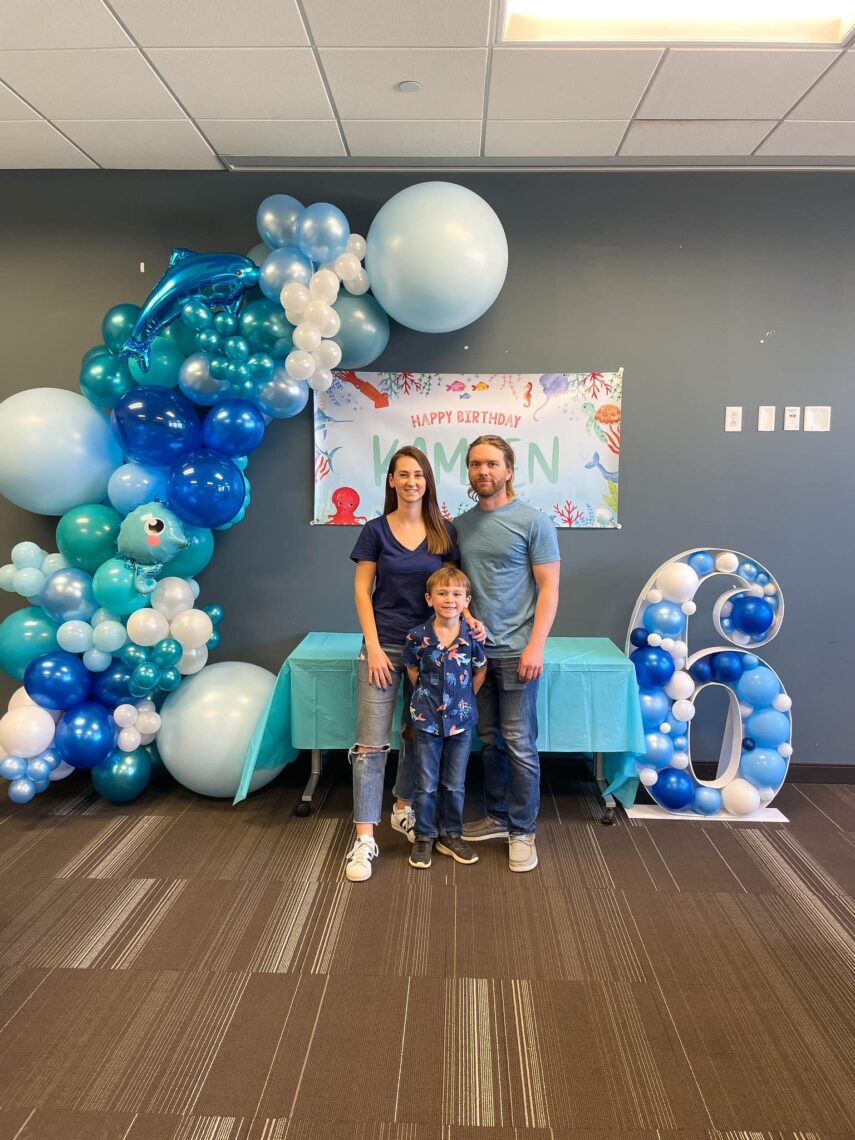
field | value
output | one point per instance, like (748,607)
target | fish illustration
(322,422)
(612,476)
(455,386)
(481,386)
(221,279)
(464,396)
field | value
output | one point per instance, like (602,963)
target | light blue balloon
(27,554)
(322,232)
(197,383)
(664,618)
(22,790)
(109,636)
(97,660)
(702,562)
(133,484)
(707,801)
(280,397)
(758,687)
(38,770)
(7,578)
(276,220)
(75,636)
(28,582)
(364,331)
(763,767)
(768,728)
(281,266)
(659,749)
(258,253)
(56,451)
(13,767)
(437,256)
(68,596)
(655,706)
(52,563)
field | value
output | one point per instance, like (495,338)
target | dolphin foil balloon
(221,279)
(149,537)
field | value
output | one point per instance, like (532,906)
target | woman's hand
(478,630)
(380,668)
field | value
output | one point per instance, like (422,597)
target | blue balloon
(280,397)
(86,735)
(156,425)
(758,687)
(276,220)
(13,767)
(57,680)
(122,776)
(747,570)
(768,728)
(749,661)
(751,615)
(701,671)
(198,382)
(133,484)
(681,742)
(206,488)
(678,727)
(223,278)
(726,666)
(322,232)
(234,427)
(111,687)
(655,707)
(364,331)
(664,618)
(702,562)
(659,749)
(654,667)
(282,266)
(674,790)
(707,800)
(638,637)
(748,745)
(437,256)
(22,790)
(38,770)
(764,767)
(67,595)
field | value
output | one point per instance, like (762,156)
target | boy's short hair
(448,576)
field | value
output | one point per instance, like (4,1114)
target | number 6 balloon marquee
(756,747)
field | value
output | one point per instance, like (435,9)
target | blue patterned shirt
(443,701)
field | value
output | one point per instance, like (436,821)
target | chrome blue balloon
(57,680)
(22,790)
(702,562)
(67,595)
(280,397)
(282,266)
(364,331)
(659,749)
(13,767)
(674,790)
(322,232)
(156,425)
(221,279)
(664,618)
(276,220)
(205,488)
(197,381)
(122,776)
(151,535)
(654,707)
(111,687)
(234,427)
(133,484)
(86,735)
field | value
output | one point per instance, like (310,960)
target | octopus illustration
(526,397)
(345,500)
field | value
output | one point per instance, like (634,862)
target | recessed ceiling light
(658,21)
(409,85)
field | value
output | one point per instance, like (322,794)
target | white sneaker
(404,820)
(357,865)
(522,853)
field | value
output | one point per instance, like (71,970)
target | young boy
(446,666)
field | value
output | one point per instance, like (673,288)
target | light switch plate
(792,419)
(817,418)
(733,419)
(766,417)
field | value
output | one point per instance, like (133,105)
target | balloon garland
(757,743)
(149,462)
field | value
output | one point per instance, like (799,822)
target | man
(510,553)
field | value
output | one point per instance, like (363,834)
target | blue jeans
(507,725)
(375,709)
(439,768)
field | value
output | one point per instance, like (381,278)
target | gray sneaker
(486,828)
(522,853)
(457,848)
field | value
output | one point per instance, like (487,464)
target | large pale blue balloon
(282,266)
(364,331)
(56,451)
(437,256)
(276,220)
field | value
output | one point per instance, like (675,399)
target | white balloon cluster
(311,311)
(137,723)
(172,615)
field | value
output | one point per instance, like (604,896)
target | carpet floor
(178,969)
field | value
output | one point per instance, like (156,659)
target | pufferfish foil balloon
(150,537)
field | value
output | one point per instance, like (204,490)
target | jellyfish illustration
(553,384)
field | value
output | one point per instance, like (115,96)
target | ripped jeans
(375,710)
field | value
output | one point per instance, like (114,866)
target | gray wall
(709,288)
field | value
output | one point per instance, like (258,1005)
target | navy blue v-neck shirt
(399,587)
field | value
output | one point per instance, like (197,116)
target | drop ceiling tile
(46,24)
(696,137)
(399,23)
(11,107)
(37,146)
(280,138)
(142,144)
(812,140)
(569,83)
(834,95)
(723,83)
(213,23)
(422,138)
(114,83)
(363,82)
(245,83)
(551,139)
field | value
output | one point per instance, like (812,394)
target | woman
(395,555)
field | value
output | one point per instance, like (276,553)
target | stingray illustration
(553,384)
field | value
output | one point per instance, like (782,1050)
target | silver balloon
(280,396)
(197,383)
(68,596)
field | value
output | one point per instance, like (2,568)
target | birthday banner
(563,426)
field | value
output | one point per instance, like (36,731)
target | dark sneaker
(420,854)
(457,848)
(486,828)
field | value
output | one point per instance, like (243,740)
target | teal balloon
(364,331)
(118,324)
(25,635)
(123,777)
(263,323)
(170,679)
(104,380)
(195,557)
(86,536)
(167,652)
(133,655)
(114,585)
(164,366)
(144,678)
(182,335)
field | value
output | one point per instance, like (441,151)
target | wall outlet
(766,417)
(817,418)
(733,419)
(792,419)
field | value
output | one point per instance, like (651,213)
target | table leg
(304,807)
(609,805)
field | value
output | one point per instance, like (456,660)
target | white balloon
(683,710)
(129,739)
(782,702)
(321,380)
(680,760)
(665,727)
(680,686)
(740,797)
(191,628)
(324,286)
(146,705)
(26,731)
(358,285)
(726,562)
(770,588)
(192,660)
(293,316)
(648,776)
(147,626)
(171,596)
(654,639)
(756,590)
(681,649)
(785,750)
(654,596)
(767,795)
(294,297)
(147,737)
(745,710)
(726,609)
(148,723)
(347,266)
(356,244)
(125,715)
(668,644)
(333,325)
(306,337)
(328,354)
(299,365)
(677,582)
(689,608)
(317,313)
(109,636)
(21,699)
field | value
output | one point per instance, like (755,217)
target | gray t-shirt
(497,551)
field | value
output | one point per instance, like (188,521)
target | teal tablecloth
(587,702)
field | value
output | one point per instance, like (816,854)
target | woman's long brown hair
(438,541)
